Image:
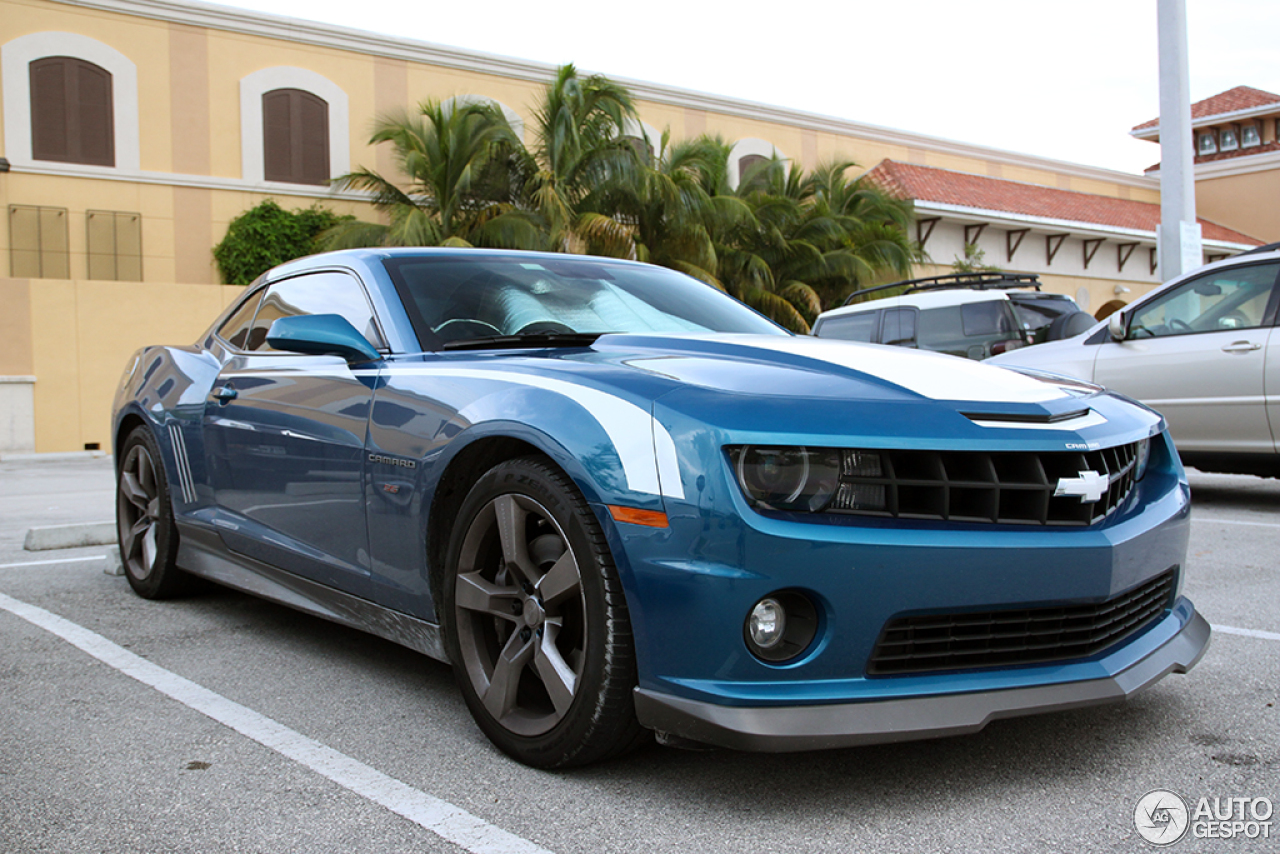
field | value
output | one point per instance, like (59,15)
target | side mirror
(321,335)
(1115,325)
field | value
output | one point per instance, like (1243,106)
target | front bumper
(780,729)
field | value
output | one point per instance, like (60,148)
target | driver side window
(314,293)
(1234,298)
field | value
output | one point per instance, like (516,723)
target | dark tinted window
(986,318)
(314,293)
(295,130)
(450,298)
(849,327)
(899,327)
(71,116)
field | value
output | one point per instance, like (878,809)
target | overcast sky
(1065,80)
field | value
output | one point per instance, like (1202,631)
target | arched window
(747,153)
(71,111)
(293,127)
(69,99)
(295,137)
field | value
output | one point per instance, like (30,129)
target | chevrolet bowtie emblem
(1089,487)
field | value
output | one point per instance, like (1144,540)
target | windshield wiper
(532,339)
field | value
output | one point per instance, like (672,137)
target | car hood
(805,367)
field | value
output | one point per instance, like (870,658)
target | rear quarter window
(860,326)
(986,318)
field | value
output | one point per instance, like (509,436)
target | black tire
(535,620)
(144,520)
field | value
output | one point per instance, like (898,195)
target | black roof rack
(1270,247)
(951,281)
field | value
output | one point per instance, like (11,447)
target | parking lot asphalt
(222,723)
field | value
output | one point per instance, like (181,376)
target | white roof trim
(1245,164)
(324,35)
(1075,228)
(1215,119)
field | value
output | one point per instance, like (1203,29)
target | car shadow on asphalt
(1080,746)
(1234,492)
(1007,759)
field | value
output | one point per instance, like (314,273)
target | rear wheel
(144,520)
(537,626)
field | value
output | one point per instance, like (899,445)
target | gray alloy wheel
(144,520)
(521,615)
(537,625)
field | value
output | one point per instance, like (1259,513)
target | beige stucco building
(134,130)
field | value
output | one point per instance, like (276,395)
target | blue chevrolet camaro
(620,502)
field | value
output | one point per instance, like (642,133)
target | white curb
(70,536)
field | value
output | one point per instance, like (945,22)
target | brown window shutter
(71,112)
(295,131)
(97,134)
(277,135)
(314,113)
(749,162)
(49,132)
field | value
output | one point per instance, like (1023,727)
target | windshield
(474,297)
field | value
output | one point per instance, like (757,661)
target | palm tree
(876,225)
(579,156)
(459,161)
(665,210)
(815,237)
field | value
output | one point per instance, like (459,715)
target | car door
(284,438)
(1198,353)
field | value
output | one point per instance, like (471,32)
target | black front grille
(980,486)
(932,642)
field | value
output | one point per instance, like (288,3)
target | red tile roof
(1230,101)
(942,186)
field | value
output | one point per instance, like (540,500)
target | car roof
(926,300)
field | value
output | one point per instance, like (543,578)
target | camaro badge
(1089,487)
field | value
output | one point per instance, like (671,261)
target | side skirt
(201,552)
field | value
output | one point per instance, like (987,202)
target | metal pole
(1179,233)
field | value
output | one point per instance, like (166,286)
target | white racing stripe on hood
(932,375)
(644,446)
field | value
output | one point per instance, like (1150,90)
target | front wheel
(144,520)
(538,629)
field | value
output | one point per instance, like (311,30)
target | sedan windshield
(550,301)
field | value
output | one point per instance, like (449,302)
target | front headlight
(787,478)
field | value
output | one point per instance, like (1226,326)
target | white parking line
(1249,633)
(440,817)
(51,562)
(1235,522)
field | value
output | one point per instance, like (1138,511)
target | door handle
(226,394)
(1241,347)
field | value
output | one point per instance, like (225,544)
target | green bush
(267,235)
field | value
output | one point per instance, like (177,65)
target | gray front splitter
(779,729)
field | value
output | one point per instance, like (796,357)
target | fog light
(767,624)
(781,626)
